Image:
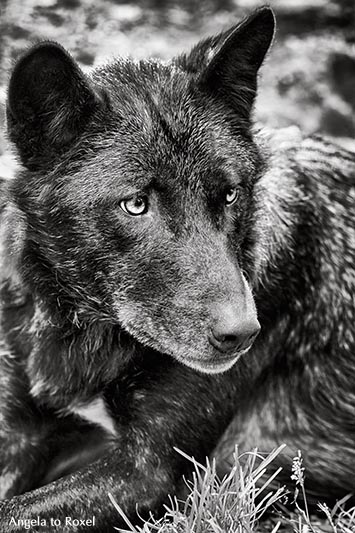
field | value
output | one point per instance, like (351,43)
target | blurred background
(308,79)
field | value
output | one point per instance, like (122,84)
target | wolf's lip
(211,367)
(215,362)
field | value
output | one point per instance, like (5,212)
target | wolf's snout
(230,332)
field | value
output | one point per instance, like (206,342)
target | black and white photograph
(177,266)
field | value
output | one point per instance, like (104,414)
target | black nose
(229,333)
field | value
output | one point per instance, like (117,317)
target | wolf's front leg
(22,463)
(159,409)
(23,429)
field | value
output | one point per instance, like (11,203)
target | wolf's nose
(230,334)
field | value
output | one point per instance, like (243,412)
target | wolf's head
(136,202)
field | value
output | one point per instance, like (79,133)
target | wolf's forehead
(125,165)
(162,112)
(177,150)
(190,147)
(159,101)
(162,137)
(198,162)
(170,133)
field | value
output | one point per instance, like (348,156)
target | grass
(243,502)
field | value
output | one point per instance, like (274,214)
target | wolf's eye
(232,195)
(137,205)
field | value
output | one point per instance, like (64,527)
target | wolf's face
(140,191)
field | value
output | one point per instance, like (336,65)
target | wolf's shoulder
(314,155)
(314,158)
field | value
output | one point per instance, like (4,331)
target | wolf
(167,267)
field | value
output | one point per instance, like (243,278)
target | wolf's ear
(50,100)
(227,65)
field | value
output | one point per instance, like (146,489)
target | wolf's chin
(213,366)
(209,368)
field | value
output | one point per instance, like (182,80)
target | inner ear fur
(50,101)
(227,65)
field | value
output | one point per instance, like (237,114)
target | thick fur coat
(151,230)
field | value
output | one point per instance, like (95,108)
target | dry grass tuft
(240,503)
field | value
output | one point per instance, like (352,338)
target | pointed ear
(227,65)
(50,101)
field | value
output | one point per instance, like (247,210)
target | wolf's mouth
(215,364)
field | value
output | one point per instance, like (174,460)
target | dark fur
(99,304)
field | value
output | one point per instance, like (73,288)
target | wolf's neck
(66,363)
(285,256)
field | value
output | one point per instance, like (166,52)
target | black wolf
(150,233)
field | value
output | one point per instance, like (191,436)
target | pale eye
(232,196)
(135,206)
